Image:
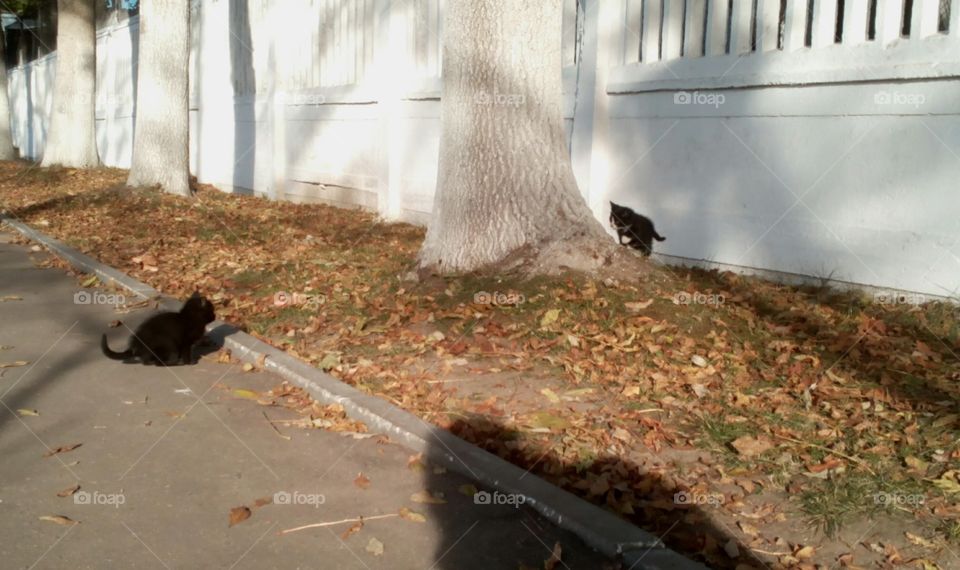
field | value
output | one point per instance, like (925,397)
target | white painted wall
(836,160)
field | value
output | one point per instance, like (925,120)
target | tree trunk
(71,138)
(161,142)
(506,193)
(7,151)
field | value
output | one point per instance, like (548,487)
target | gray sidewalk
(167,453)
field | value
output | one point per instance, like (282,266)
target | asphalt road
(166,453)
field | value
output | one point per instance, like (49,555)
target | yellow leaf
(551,395)
(426,498)
(249,395)
(414,516)
(26,412)
(549,318)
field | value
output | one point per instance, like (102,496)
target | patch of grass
(720,432)
(828,505)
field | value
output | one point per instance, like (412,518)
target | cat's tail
(658,237)
(111,354)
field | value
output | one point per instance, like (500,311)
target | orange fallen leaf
(62,449)
(239,514)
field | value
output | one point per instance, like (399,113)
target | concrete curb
(600,529)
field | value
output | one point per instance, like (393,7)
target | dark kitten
(167,338)
(633,229)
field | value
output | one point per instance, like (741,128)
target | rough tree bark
(506,194)
(161,142)
(71,138)
(7,151)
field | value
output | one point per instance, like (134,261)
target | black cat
(167,338)
(633,229)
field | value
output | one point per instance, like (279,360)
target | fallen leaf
(805,553)
(549,318)
(14,364)
(468,489)
(551,395)
(89,281)
(247,394)
(414,516)
(748,446)
(374,547)
(262,501)
(555,554)
(354,529)
(69,491)
(361,481)
(59,519)
(27,412)
(638,306)
(62,449)
(247,366)
(415,462)
(6,298)
(426,498)
(239,514)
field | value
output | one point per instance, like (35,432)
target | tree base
(584,254)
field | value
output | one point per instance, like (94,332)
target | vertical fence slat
(672,28)
(434,38)
(926,15)
(954,25)
(632,30)
(855,21)
(651,31)
(768,25)
(794,25)
(889,16)
(569,39)
(824,23)
(693,25)
(740,27)
(717,14)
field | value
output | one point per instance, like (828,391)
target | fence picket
(768,25)
(651,31)
(824,23)
(740,24)
(795,25)
(672,28)
(694,28)
(717,14)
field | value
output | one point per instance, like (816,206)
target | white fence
(811,137)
